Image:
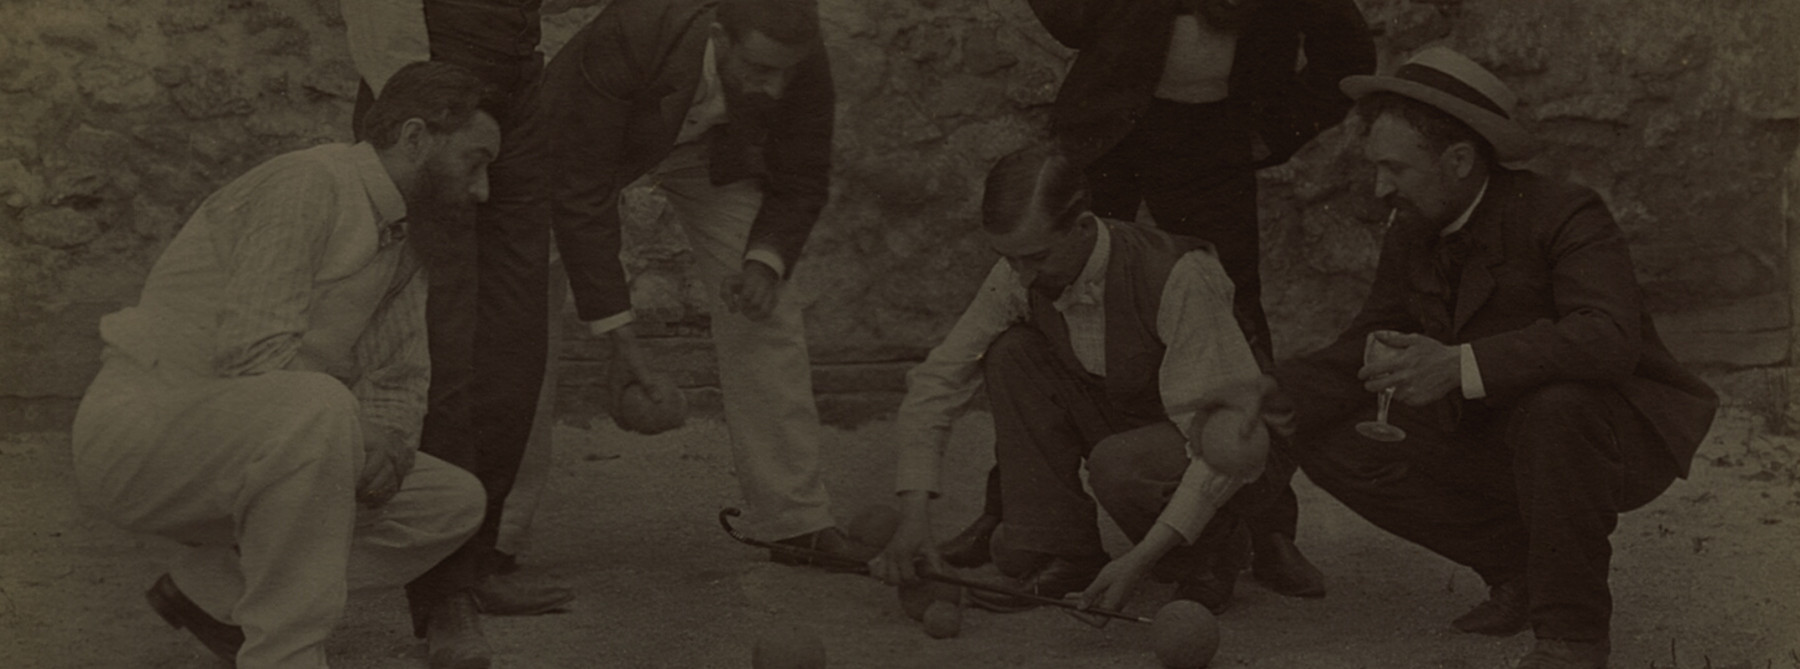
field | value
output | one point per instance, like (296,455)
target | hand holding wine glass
(1377,352)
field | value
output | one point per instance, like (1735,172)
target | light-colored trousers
(257,475)
(764,372)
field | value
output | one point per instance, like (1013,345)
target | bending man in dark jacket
(1537,401)
(726,106)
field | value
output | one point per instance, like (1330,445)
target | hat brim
(1511,142)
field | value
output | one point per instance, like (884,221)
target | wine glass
(1379,429)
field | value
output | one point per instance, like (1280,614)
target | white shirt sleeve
(1205,350)
(939,389)
(384,36)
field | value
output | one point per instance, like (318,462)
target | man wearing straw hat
(1536,400)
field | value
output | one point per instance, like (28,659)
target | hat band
(1437,79)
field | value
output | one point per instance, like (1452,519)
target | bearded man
(262,402)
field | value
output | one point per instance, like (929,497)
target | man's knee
(451,501)
(1137,464)
(311,394)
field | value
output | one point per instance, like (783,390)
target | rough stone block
(114,85)
(59,228)
(19,187)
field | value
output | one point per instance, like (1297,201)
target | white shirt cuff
(1196,499)
(767,257)
(1471,374)
(610,323)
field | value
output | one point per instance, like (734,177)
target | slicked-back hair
(1037,180)
(789,22)
(1439,128)
(443,95)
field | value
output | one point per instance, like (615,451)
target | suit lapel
(1487,236)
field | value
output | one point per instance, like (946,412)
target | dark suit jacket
(613,102)
(1547,295)
(1123,44)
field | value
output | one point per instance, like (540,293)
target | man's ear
(414,139)
(1461,157)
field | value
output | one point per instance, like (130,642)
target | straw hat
(1456,85)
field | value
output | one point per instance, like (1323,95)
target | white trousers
(258,475)
(765,375)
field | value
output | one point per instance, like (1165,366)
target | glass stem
(1381,405)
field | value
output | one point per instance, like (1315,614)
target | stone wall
(120,116)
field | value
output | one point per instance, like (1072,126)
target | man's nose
(772,85)
(1384,186)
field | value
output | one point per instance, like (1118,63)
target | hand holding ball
(1233,442)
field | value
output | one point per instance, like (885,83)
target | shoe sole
(170,614)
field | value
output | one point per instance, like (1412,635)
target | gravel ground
(1706,576)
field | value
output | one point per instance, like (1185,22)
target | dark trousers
(1531,489)
(1191,164)
(487,318)
(1049,419)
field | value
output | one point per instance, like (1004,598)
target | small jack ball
(943,620)
(918,596)
(788,647)
(875,526)
(1185,635)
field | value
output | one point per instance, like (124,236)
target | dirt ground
(1706,576)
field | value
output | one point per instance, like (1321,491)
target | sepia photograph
(899,334)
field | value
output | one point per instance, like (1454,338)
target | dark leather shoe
(182,613)
(973,547)
(831,541)
(1056,577)
(453,635)
(1503,614)
(498,595)
(1279,565)
(1560,654)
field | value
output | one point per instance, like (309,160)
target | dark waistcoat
(1142,258)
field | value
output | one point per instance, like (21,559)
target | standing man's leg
(764,371)
(534,468)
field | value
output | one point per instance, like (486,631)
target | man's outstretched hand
(898,562)
(387,459)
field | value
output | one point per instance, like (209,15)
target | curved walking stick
(853,566)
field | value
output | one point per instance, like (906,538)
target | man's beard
(441,218)
(749,107)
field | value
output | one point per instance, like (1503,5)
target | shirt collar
(1088,286)
(709,76)
(390,205)
(1464,218)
